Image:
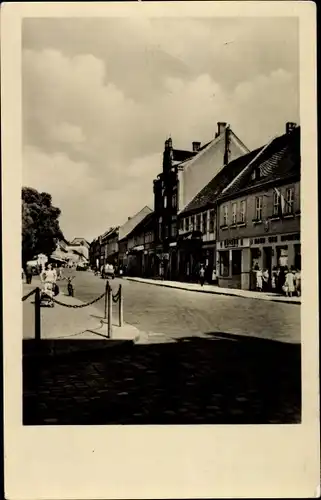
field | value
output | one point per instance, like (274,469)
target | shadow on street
(220,379)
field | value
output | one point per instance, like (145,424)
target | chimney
(221,126)
(289,127)
(196,146)
(129,218)
(168,144)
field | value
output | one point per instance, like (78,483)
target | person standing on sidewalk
(289,287)
(202,275)
(259,278)
(28,274)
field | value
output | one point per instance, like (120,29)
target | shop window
(198,222)
(224,263)
(204,222)
(258,208)
(191,223)
(211,224)
(187,224)
(236,262)
(242,211)
(225,215)
(289,201)
(234,212)
(282,256)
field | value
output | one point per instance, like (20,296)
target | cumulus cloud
(97,106)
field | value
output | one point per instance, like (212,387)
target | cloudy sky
(100,96)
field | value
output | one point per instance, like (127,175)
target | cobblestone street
(217,381)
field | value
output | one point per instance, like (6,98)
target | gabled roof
(132,222)
(278,160)
(222,179)
(144,224)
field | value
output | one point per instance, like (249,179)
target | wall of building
(198,172)
(250,228)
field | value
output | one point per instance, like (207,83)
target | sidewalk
(61,322)
(195,287)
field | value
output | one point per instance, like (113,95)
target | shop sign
(290,237)
(173,244)
(234,242)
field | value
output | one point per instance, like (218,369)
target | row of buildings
(73,253)
(219,205)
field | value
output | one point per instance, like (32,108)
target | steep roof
(212,190)
(143,224)
(279,160)
(131,223)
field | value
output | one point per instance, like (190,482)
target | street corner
(126,332)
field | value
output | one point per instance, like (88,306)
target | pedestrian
(266,277)
(259,278)
(288,286)
(297,277)
(202,275)
(28,274)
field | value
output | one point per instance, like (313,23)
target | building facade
(184,174)
(125,230)
(259,214)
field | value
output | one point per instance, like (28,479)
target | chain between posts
(76,306)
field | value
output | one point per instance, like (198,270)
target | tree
(40,224)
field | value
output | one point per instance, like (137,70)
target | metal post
(106,298)
(110,312)
(121,307)
(37,315)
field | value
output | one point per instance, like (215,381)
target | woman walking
(289,287)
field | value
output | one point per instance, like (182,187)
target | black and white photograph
(161,222)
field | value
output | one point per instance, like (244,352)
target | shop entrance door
(267,262)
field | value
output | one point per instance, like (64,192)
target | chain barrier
(74,306)
(25,297)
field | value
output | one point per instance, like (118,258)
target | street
(180,313)
(223,368)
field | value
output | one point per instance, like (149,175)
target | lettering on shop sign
(258,241)
(231,243)
(290,237)
(273,239)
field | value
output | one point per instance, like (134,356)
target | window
(289,201)
(225,215)
(187,224)
(204,222)
(198,222)
(160,228)
(276,203)
(166,231)
(224,263)
(192,224)
(211,224)
(242,211)
(173,230)
(174,200)
(234,212)
(181,224)
(258,208)
(165,201)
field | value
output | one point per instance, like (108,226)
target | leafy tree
(40,224)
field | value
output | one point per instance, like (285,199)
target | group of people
(283,280)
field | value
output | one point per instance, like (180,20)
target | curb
(212,292)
